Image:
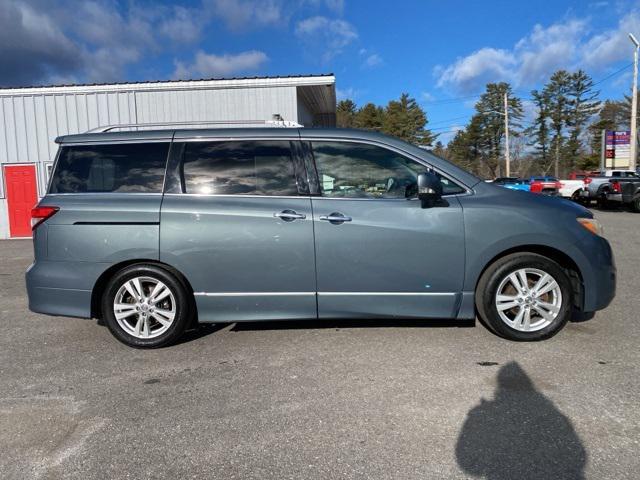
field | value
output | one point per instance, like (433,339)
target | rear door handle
(335,218)
(289,215)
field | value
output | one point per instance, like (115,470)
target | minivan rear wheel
(525,297)
(145,306)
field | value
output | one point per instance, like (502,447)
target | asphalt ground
(307,400)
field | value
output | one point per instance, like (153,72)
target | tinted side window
(114,168)
(239,168)
(358,170)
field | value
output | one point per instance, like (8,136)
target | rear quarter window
(112,168)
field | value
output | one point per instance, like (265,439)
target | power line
(613,74)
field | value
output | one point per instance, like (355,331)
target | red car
(545,185)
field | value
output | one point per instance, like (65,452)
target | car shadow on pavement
(350,323)
(520,434)
(199,331)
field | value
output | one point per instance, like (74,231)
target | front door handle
(336,218)
(289,215)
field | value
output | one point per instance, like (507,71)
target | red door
(22,195)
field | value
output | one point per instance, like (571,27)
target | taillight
(588,180)
(616,187)
(40,214)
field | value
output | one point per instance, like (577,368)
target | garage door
(22,195)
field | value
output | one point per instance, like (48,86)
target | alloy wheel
(528,299)
(144,307)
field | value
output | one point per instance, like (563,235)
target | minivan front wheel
(524,296)
(145,306)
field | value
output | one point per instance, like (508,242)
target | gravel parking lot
(383,399)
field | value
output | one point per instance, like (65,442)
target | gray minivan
(153,230)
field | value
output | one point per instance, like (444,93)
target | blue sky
(442,53)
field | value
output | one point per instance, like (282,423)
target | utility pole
(634,106)
(506,135)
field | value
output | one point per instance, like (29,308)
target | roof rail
(277,122)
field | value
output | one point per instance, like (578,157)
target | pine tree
(345,113)
(370,117)
(557,90)
(612,116)
(439,150)
(583,104)
(490,122)
(539,130)
(626,113)
(405,119)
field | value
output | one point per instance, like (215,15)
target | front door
(22,195)
(240,229)
(378,253)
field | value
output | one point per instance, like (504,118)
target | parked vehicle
(580,175)
(151,230)
(545,185)
(626,192)
(571,189)
(597,188)
(513,183)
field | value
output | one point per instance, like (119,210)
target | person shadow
(520,434)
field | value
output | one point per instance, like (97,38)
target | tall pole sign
(634,106)
(617,152)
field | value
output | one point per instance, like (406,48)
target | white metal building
(31,118)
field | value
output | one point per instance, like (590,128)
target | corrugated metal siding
(213,105)
(30,124)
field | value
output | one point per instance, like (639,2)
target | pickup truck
(625,191)
(571,189)
(544,185)
(597,188)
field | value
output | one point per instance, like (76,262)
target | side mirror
(429,189)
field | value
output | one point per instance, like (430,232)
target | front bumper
(600,283)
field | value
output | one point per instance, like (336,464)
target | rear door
(236,220)
(378,253)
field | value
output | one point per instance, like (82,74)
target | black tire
(635,204)
(602,202)
(183,310)
(493,276)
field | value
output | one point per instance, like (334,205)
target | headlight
(591,224)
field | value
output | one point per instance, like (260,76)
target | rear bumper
(614,197)
(61,288)
(60,301)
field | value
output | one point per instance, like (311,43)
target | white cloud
(486,64)
(427,97)
(570,44)
(207,65)
(546,50)
(336,6)
(612,45)
(373,60)
(328,35)
(183,26)
(243,14)
(33,47)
